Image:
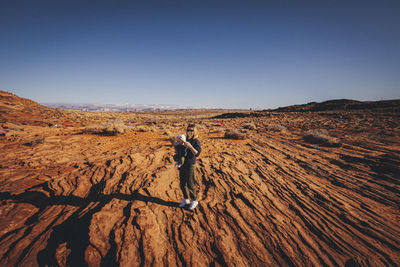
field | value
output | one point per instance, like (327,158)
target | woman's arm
(189,145)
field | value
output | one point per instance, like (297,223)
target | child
(180,150)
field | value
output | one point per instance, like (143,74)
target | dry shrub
(35,142)
(145,128)
(234,134)
(154,129)
(91,129)
(112,127)
(168,133)
(276,128)
(217,130)
(321,136)
(249,126)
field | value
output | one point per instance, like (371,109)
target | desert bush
(145,128)
(35,142)
(112,127)
(234,134)
(321,136)
(201,126)
(91,129)
(217,130)
(168,133)
(249,126)
(276,128)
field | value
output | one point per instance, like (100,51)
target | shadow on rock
(74,231)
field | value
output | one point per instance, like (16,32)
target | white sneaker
(193,204)
(184,203)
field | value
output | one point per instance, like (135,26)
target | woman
(188,169)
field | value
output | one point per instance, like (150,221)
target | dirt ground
(75,198)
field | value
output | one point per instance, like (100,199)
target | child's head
(181,138)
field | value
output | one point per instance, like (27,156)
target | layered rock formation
(75,199)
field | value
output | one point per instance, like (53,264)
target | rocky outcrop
(271,199)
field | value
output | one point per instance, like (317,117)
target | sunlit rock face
(75,198)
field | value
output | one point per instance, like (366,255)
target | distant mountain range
(330,105)
(110,107)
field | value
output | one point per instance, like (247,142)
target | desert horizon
(276,188)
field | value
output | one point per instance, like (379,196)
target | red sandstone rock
(273,199)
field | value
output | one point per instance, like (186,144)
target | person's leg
(191,182)
(183,181)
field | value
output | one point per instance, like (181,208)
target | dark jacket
(181,152)
(190,158)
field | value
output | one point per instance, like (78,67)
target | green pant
(188,181)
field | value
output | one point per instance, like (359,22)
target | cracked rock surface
(272,199)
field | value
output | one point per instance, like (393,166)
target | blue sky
(225,54)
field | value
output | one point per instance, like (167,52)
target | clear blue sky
(228,54)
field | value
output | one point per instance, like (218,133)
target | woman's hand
(189,145)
